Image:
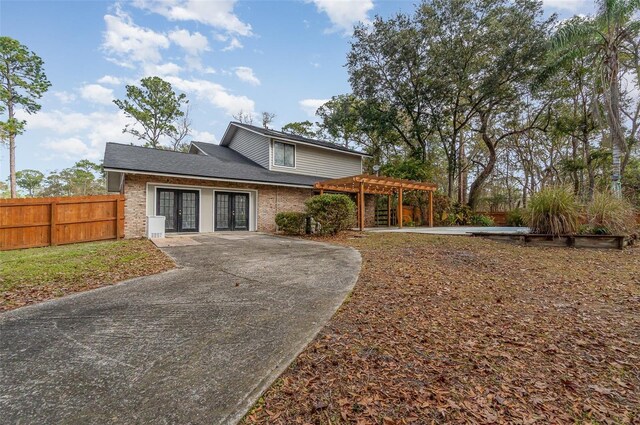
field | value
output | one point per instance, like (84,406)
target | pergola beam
(377,185)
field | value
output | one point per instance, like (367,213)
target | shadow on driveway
(197,344)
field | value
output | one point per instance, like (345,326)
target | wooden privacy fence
(34,222)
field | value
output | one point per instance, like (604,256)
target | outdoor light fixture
(376,169)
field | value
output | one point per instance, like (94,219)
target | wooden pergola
(377,185)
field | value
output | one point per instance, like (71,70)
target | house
(240,184)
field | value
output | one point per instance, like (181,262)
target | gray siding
(320,162)
(253,146)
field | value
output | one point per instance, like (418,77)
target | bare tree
(243,117)
(267,118)
(182,130)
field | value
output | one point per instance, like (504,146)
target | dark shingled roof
(282,135)
(220,163)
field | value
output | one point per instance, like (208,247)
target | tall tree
(30,180)
(301,128)
(155,107)
(609,35)
(23,82)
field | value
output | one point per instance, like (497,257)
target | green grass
(32,275)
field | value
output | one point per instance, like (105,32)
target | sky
(284,57)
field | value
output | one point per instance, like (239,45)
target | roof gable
(269,133)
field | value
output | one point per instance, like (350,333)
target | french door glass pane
(166,208)
(240,208)
(189,209)
(222,210)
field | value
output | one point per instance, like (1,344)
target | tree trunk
(476,186)
(12,151)
(615,127)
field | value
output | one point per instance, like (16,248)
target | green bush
(608,215)
(553,211)
(291,223)
(334,213)
(457,215)
(516,218)
(482,220)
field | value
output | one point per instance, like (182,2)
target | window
(284,154)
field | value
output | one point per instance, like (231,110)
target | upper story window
(284,154)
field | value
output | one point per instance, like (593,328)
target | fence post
(118,218)
(52,220)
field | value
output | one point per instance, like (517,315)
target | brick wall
(271,200)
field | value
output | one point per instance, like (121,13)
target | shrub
(608,215)
(291,223)
(334,212)
(516,218)
(481,220)
(553,211)
(457,215)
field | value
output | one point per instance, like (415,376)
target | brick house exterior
(240,184)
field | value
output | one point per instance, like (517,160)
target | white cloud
(244,73)
(216,94)
(128,42)
(218,14)
(110,80)
(233,45)
(572,5)
(70,148)
(194,44)
(76,135)
(97,94)
(203,136)
(162,70)
(64,96)
(310,106)
(344,14)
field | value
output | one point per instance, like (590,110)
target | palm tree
(605,39)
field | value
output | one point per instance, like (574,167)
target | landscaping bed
(32,275)
(572,241)
(447,329)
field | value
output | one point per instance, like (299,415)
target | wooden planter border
(572,241)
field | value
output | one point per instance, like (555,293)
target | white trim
(273,157)
(361,154)
(253,201)
(200,149)
(171,186)
(182,176)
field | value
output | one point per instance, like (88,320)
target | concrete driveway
(196,345)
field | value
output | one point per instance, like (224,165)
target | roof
(220,162)
(267,132)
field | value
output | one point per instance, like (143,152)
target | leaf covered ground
(33,275)
(445,329)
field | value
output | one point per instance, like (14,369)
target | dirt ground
(447,329)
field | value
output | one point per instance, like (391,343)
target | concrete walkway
(195,345)
(453,230)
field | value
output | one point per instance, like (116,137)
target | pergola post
(400,208)
(321,191)
(431,208)
(389,210)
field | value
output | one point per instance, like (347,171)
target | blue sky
(284,57)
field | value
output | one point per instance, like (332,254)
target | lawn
(32,275)
(444,329)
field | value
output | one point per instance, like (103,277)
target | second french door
(232,211)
